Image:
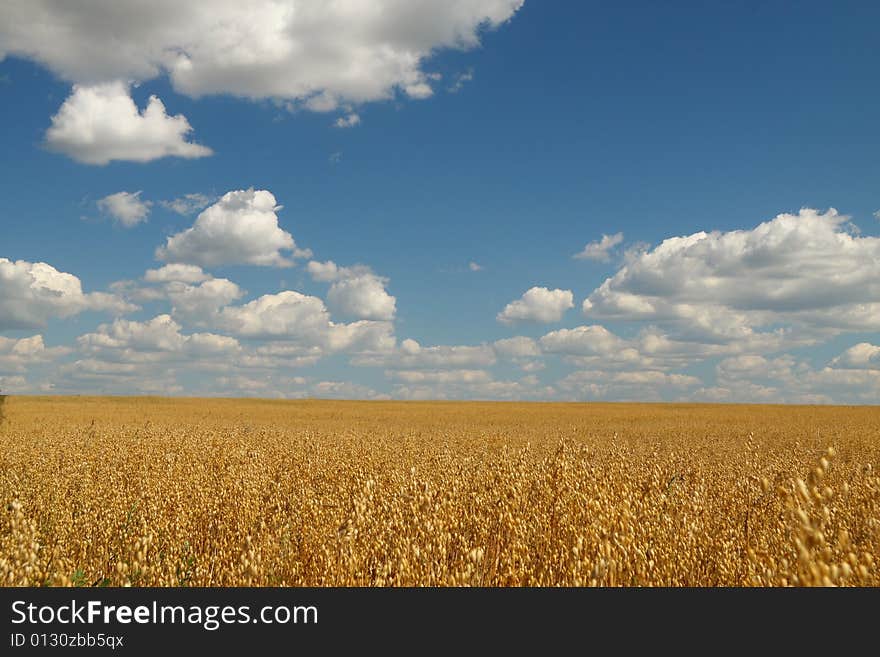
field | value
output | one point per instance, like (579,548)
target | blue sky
(492,141)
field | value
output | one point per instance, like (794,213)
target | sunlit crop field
(162,492)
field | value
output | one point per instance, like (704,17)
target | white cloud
(448,388)
(524,352)
(319,54)
(33,292)
(286,314)
(304,319)
(158,334)
(348,121)
(284,330)
(148,356)
(460,80)
(652,377)
(851,377)
(198,304)
(176,272)
(187,204)
(473,266)
(754,366)
(703,340)
(344,390)
(14,384)
(861,356)
(355,291)
(419,90)
(325,272)
(411,355)
(243,384)
(439,376)
(595,347)
(156,340)
(127,208)
(806,271)
(582,341)
(739,392)
(18,355)
(241,228)
(600,250)
(538,304)
(363,297)
(625,386)
(854,385)
(517,347)
(363,336)
(195,296)
(100,123)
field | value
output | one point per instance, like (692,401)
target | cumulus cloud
(439,376)
(600,250)
(517,347)
(411,355)
(458,371)
(195,296)
(176,272)
(284,314)
(738,392)
(473,266)
(755,366)
(199,303)
(283,330)
(538,304)
(290,387)
(241,228)
(444,386)
(625,386)
(304,319)
(187,204)
(320,55)
(460,80)
(522,351)
(143,357)
(861,386)
(851,377)
(125,208)
(363,297)
(33,292)
(595,347)
(100,123)
(806,271)
(325,272)
(151,341)
(18,355)
(344,390)
(347,121)
(582,340)
(355,291)
(14,384)
(861,356)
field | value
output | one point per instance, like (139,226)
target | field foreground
(162,492)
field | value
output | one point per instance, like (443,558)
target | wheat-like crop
(155,492)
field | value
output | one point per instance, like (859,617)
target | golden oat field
(197,492)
